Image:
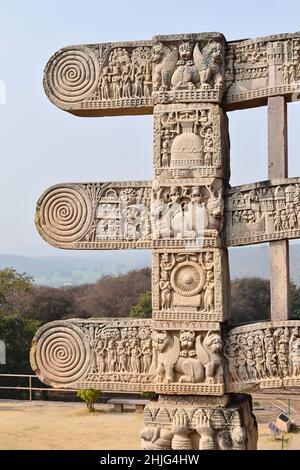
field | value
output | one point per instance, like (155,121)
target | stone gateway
(188,216)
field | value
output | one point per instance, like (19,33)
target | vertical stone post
(190,273)
(278,168)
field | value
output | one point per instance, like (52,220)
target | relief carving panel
(190,140)
(190,285)
(183,209)
(265,355)
(96,215)
(262,212)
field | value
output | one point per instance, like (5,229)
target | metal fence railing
(30,386)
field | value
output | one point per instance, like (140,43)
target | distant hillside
(63,270)
(87,268)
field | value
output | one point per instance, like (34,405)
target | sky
(40,145)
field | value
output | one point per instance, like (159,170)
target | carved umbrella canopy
(188,216)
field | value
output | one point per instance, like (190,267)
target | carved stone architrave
(265,355)
(131,77)
(203,423)
(260,68)
(96,215)
(106,354)
(261,212)
(129,355)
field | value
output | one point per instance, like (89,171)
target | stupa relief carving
(190,141)
(189,358)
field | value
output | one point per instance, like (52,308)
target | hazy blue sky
(41,145)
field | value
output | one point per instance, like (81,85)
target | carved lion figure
(209,62)
(164,63)
(198,363)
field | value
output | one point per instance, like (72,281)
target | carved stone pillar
(185,353)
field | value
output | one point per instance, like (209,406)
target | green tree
(250,300)
(14,288)
(294,302)
(17,333)
(143,308)
(16,330)
(90,397)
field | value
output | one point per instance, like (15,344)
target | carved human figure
(146,355)
(283,360)
(105,83)
(295,357)
(115,79)
(268,339)
(100,355)
(166,290)
(126,88)
(165,160)
(111,358)
(138,83)
(135,354)
(123,353)
(259,356)
(209,295)
(208,159)
(242,366)
(271,360)
(230,353)
(250,357)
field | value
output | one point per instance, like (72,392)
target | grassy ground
(58,425)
